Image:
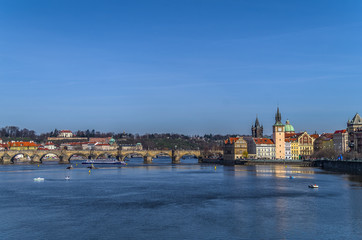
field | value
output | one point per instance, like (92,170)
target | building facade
(324,142)
(353,126)
(65,134)
(261,148)
(235,148)
(131,147)
(305,145)
(288,149)
(340,140)
(22,145)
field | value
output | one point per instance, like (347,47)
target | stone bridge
(64,156)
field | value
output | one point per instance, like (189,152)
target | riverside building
(261,148)
(353,126)
(340,140)
(235,148)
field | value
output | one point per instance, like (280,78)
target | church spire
(257,121)
(278,117)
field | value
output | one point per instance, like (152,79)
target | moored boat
(313,186)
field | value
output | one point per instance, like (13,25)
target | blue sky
(189,67)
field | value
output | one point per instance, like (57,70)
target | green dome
(112,141)
(288,127)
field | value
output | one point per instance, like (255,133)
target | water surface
(184,201)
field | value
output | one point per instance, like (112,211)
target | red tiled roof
(231,140)
(263,141)
(340,131)
(315,135)
(65,131)
(288,135)
(22,144)
(290,139)
(328,135)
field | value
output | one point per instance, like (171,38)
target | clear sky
(189,67)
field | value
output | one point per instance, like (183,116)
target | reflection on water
(177,201)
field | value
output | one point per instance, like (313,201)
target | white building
(340,141)
(65,134)
(288,150)
(50,146)
(261,148)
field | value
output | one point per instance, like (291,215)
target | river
(183,201)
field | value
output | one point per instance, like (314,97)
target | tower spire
(257,121)
(278,117)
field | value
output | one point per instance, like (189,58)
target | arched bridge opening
(133,157)
(77,158)
(49,158)
(20,158)
(189,158)
(161,157)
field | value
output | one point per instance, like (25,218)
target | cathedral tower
(257,130)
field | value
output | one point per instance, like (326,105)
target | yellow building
(301,145)
(22,146)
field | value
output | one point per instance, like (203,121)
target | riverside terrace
(64,156)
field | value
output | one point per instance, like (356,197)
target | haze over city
(189,67)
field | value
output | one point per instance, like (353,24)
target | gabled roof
(231,140)
(357,119)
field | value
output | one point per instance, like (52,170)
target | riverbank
(350,167)
(253,162)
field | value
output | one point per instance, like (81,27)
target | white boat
(313,186)
(39,179)
(67,178)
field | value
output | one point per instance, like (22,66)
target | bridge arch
(107,155)
(129,154)
(20,157)
(48,157)
(70,156)
(161,154)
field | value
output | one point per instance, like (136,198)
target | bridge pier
(6,159)
(35,159)
(147,159)
(175,159)
(63,159)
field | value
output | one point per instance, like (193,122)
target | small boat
(291,177)
(313,186)
(67,178)
(70,167)
(38,179)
